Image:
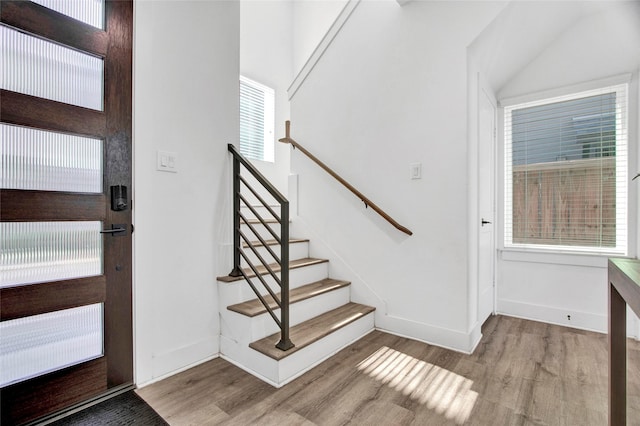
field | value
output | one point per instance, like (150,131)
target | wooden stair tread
(259,206)
(254,307)
(273,242)
(257,221)
(310,331)
(297,263)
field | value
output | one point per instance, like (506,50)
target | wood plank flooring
(522,373)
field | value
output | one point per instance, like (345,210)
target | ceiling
(524,30)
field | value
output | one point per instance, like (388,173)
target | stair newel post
(236,272)
(284,343)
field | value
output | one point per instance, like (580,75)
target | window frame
(625,199)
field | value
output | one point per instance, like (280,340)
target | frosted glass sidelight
(33,252)
(88,11)
(47,161)
(39,68)
(39,344)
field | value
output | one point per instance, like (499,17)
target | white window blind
(566,172)
(257,120)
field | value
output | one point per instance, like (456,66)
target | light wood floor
(522,373)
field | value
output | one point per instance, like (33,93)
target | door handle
(117,230)
(485,222)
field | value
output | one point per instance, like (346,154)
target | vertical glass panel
(34,252)
(88,11)
(47,161)
(43,343)
(40,68)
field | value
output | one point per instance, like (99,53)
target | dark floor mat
(124,409)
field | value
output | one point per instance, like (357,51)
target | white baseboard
(249,370)
(172,362)
(475,336)
(172,373)
(429,334)
(558,316)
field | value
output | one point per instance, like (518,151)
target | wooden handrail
(367,202)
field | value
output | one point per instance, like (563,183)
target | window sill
(587,259)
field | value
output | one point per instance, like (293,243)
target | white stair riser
(296,251)
(262,211)
(240,291)
(307,358)
(249,329)
(279,373)
(260,229)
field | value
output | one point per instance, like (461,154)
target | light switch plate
(167,162)
(415,170)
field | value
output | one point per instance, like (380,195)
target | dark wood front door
(65,290)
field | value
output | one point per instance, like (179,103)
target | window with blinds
(566,172)
(257,120)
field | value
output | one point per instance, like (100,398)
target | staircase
(275,335)
(323,318)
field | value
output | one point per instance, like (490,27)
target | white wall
(390,91)
(311,21)
(522,31)
(266,56)
(185,101)
(546,287)
(603,43)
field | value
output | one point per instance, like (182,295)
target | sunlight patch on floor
(448,393)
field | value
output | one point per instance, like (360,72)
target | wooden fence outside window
(569,203)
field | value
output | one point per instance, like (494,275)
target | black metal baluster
(284,343)
(236,272)
(238,161)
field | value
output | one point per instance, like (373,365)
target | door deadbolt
(119,199)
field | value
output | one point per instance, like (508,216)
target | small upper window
(566,172)
(257,120)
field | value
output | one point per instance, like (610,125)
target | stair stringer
(361,292)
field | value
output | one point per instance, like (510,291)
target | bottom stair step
(310,331)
